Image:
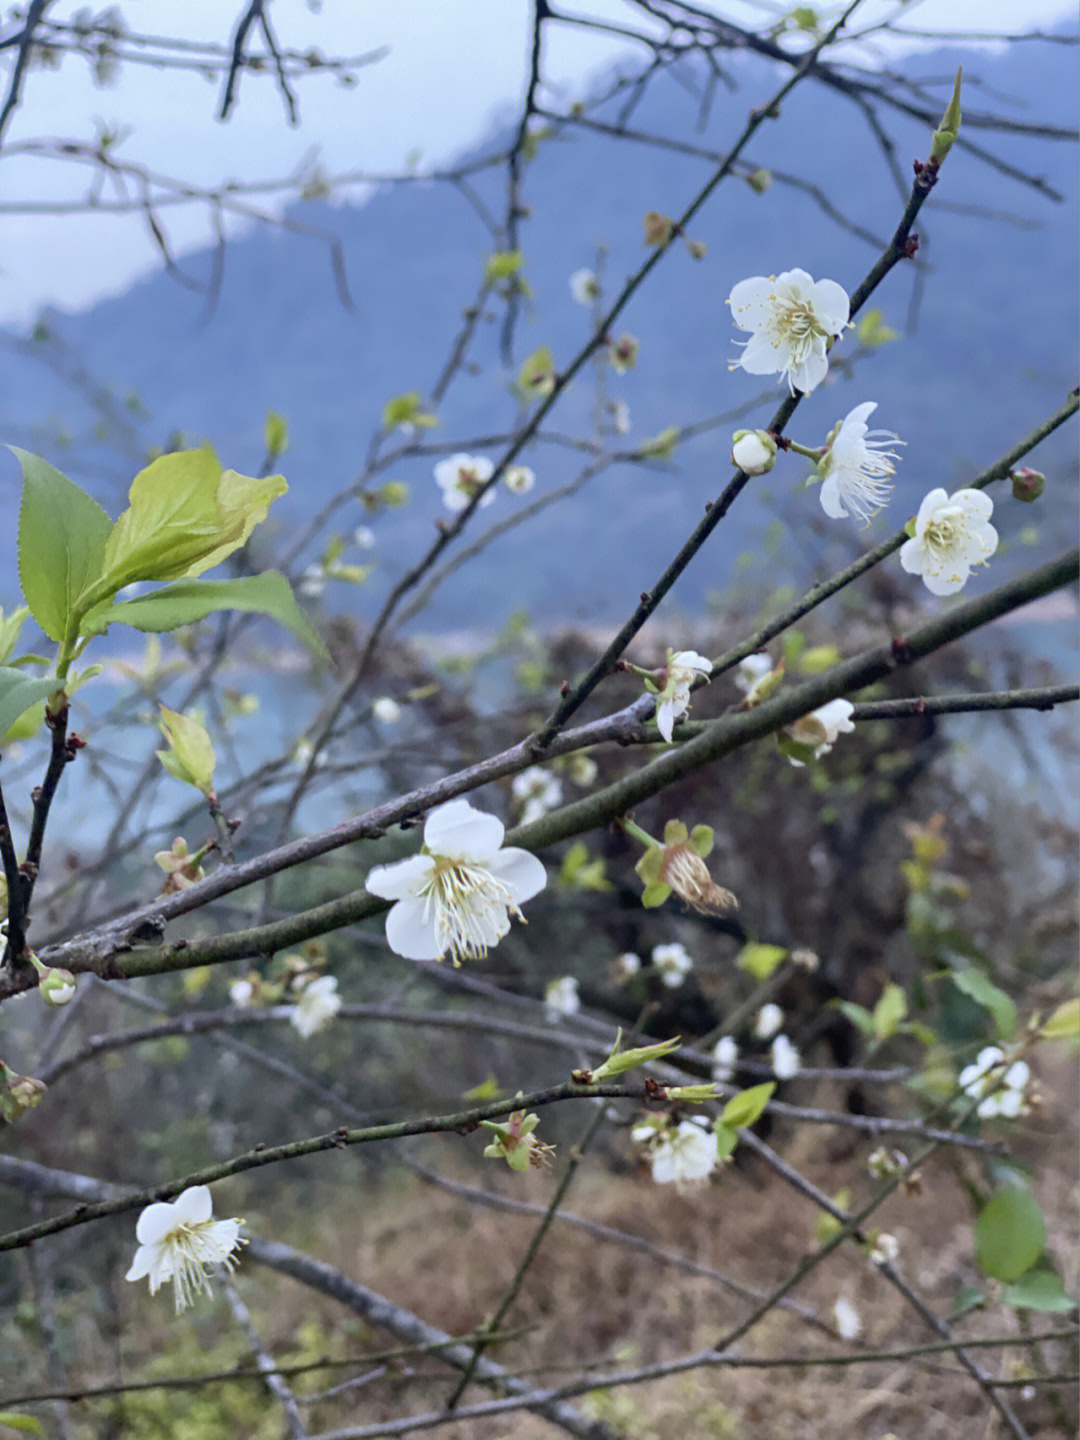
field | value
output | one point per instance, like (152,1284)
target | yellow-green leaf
(185,515)
(1010,1234)
(760,960)
(889,1011)
(1064,1023)
(190,756)
(747,1106)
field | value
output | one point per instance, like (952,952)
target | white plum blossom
(179,1241)
(753,451)
(769,1019)
(386,709)
(313,581)
(791,318)
(786,1061)
(672,963)
(725,1054)
(848,1320)
(561,997)
(856,469)
(683,1155)
(952,533)
(584,286)
(625,965)
(998,1084)
(885,1250)
(317,1003)
(538,791)
(242,993)
(750,672)
(457,896)
(460,477)
(673,700)
(363,537)
(821,727)
(519,479)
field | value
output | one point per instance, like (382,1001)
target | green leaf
(859,1017)
(1039,1290)
(190,757)
(275,433)
(968,1298)
(760,960)
(747,1106)
(503,264)
(186,601)
(10,628)
(985,993)
(18,692)
(1010,1234)
(62,537)
(185,515)
(726,1139)
(889,1011)
(28,1424)
(1064,1023)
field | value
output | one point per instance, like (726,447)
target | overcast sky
(453,67)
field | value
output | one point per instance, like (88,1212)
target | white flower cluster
(672,963)
(538,791)
(998,1084)
(462,476)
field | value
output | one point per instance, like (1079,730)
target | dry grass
(589,1303)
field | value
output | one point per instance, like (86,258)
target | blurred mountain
(988,347)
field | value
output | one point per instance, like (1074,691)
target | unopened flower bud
(658,228)
(1027,484)
(696,249)
(18,1093)
(753,451)
(759,181)
(57,986)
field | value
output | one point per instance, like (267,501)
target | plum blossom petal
(456,897)
(792,319)
(952,534)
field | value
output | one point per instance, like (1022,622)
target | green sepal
(655,895)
